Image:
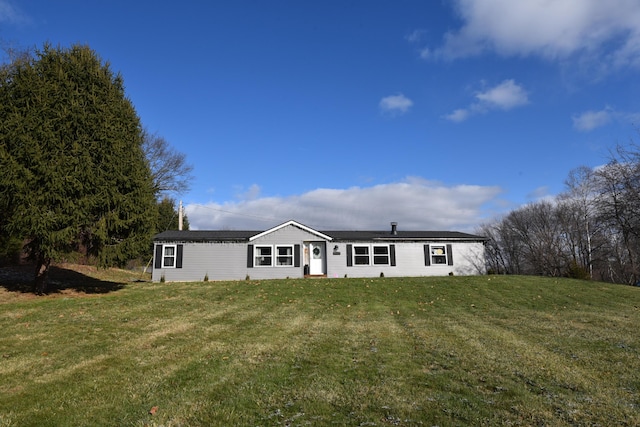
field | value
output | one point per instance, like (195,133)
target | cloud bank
(505,96)
(552,29)
(415,203)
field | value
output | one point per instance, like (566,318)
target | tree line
(590,231)
(79,171)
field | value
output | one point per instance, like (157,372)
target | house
(294,250)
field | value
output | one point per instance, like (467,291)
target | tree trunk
(42,275)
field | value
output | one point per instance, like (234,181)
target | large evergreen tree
(73,169)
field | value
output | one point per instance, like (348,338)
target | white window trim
(255,255)
(388,254)
(354,255)
(371,255)
(444,253)
(291,257)
(175,255)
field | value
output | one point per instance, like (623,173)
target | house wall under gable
(290,235)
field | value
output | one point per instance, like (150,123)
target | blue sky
(352,114)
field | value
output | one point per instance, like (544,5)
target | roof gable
(294,224)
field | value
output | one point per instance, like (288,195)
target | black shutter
(179,256)
(449,255)
(349,258)
(392,255)
(249,256)
(296,256)
(158,261)
(427,255)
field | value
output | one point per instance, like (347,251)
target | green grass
(457,351)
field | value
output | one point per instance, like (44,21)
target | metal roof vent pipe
(394,228)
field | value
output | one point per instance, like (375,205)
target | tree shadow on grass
(20,279)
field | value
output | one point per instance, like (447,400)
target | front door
(316,258)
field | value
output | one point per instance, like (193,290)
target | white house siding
(467,260)
(228,260)
(216,260)
(215,256)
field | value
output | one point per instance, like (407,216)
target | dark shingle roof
(244,235)
(205,235)
(401,235)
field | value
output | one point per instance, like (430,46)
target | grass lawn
(447,351)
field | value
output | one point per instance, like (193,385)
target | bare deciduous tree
(619,211)
(169,168)
(592,230)
(577,210)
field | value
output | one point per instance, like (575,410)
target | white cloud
(11,14)
(395,104)
(540,193)
(505,96)
(553,29)
(252,193)
(632,118)
(416,36)
(459,115)
(415,203)
(590,120)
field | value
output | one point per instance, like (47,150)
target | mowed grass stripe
(481,350)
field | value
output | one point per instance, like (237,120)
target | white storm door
(316,258)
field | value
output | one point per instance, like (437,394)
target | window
(273,255)
(169,256)
(438,254)
(361,255)
(371,255)
(381,255)
(284,255)
(263,256)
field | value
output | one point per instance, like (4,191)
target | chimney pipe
(394,228)
(180,213)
